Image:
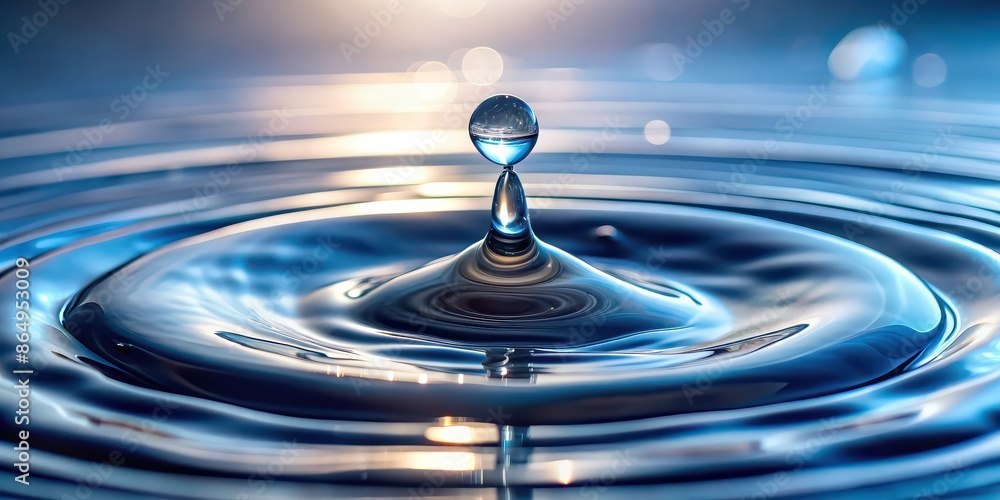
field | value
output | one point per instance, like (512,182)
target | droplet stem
(510,231)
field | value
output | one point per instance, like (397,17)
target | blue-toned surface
(272,286)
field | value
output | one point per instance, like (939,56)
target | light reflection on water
(852,279)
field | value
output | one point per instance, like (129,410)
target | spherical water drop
(504,129)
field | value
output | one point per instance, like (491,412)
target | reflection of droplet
(433,81)
(929,70)
(866,53)
(482,66)
(459,431)
(504,129)
(461,8)
(565,471)
(657,132)
(606,232)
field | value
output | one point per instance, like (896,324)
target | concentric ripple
(817,322)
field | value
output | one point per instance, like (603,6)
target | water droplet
(504,129)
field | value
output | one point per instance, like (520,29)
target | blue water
(678,320)
(505,151)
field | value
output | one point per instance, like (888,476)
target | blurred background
(80,50)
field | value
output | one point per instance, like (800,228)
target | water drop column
(504,129)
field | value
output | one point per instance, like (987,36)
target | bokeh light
(867,53)
(657,132)
(482,66)
(929,70)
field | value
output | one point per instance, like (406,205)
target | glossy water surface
(210,299)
